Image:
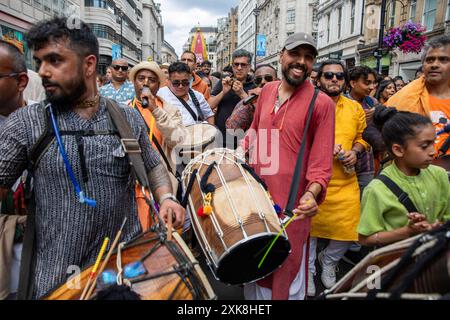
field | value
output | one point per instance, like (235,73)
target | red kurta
(283,131)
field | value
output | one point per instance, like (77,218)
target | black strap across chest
(402,196)
(197,117)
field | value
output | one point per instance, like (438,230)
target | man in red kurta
(273,142)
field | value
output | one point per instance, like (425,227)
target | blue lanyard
(79,192)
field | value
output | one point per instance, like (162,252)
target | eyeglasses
(242,65)
(267,77)
(330,75)
(143,78)
(184,83)
(15,74)
(123,68)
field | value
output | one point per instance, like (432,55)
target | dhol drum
(199,138)
(242,223)
(168,271)
(415,268)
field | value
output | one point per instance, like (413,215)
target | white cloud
(178,21)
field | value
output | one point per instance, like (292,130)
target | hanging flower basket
(409,38)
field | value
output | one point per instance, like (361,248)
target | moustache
(48,83)
(297,66)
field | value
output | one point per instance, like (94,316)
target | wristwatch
(166,196)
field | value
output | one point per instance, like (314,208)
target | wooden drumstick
(102,268)
(169,224)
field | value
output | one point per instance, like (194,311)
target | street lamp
(153,51)
(379,52)
(256,12)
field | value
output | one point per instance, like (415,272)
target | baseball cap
(299,38)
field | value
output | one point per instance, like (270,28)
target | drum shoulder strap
(295,184)
(402,196)
(129,142)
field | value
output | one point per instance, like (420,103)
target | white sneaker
(328,275)
(311,285)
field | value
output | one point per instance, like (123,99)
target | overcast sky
(180,16)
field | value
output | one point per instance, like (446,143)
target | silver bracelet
(166,196)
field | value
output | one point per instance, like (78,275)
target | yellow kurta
(338,215)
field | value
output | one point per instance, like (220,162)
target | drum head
(199,136)
(240,264)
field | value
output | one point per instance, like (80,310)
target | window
(290,16)
(391,22)
(448,11)
(429,14)
(339,22)
(328,27)
(352,18)
(412,12)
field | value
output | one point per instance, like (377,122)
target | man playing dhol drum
(279,121)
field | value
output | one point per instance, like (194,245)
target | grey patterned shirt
(69,233)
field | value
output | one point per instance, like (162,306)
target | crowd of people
(362,126)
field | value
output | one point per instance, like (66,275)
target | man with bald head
(119,89)
(13,79)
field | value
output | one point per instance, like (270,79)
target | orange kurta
(142,206)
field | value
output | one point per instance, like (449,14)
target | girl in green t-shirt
(409,138)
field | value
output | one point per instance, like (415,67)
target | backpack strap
(402,196)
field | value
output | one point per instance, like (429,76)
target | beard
(332,93)
(291,81)
(68,96)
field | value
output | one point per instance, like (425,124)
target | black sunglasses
(330,75)
(116,67)
(267,77)
(184,83)
(242,65)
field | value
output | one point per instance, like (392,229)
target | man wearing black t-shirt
(227,94)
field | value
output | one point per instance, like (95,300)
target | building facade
(153,32)
(278,19)
(118,25)
(433,14)
(17,17)
(340,30)
(168,53)
(246,25)
(227,38)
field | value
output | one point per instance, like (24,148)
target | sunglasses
(259,79)
(330,75)
(242,65)
(117,68)
(184,83)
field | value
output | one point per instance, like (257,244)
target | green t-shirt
(381,210)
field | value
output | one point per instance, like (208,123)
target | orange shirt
(201,86)
(149,119)
(440,116)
